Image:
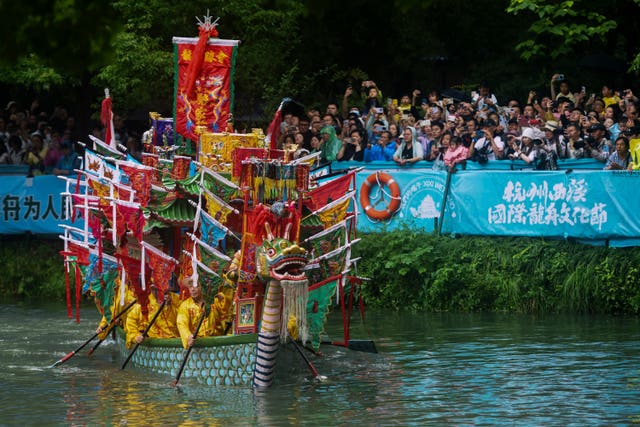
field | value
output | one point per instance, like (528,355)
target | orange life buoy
(380,179)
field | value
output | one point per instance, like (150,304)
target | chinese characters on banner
(540,204)
(206,107)
(37,208)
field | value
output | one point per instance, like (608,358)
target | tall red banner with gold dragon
(204,84)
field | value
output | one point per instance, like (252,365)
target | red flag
(141,177)
(204,84)
(162,266)
(274,128)
(106,117)
(328,192)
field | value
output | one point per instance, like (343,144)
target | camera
(561,77)
(378,110)
(578,144)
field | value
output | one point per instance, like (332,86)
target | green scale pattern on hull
(215,365)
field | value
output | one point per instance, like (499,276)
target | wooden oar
(315,372)
(73,353)
(144,334)
(110,327)
(186,355)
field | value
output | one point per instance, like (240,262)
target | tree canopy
(310,50)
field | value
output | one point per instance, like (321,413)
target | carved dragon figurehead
(281,262)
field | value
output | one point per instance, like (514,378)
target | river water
(431,369)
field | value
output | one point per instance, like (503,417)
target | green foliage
(31,73)
(70,36)
(416,271)
(31,269)
(139,61)
(306,50)
(562,28)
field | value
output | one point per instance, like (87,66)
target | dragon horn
(269,233)
(287,230)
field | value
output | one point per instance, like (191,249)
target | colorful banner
(580,204)
(584,205)
(33,205)
(217,149)
(588,205)
(421,192)
(206,107)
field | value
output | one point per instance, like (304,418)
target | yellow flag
(216,209)
(333,214)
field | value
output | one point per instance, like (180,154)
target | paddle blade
(64,359)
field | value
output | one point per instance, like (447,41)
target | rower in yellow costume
(164,325)
(115,309)
(189,314)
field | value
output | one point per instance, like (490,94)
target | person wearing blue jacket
(382,150)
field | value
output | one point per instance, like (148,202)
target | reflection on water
(432,369)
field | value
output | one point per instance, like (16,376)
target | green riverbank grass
(421,272)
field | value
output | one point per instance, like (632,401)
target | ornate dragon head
(278,259)
(281,260)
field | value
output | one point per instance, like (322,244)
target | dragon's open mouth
(289,268)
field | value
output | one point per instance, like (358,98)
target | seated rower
(164,325)
(115,309)
(189,314)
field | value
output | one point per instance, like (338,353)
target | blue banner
(420,193)
(579,204)
(32,205)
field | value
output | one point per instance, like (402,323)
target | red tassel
(99,263)
(78,292)
(68,288)
(195,66)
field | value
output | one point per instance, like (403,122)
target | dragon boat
(268,242)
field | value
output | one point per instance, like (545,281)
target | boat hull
(225,361)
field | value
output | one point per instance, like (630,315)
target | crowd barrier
(576,202)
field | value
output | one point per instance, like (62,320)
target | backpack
(481,155)
(546,160)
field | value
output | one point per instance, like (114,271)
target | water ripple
(432,369)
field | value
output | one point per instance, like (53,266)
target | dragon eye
(271,252)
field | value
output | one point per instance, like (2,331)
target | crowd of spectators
(447,130)
(47,142)
(450,131)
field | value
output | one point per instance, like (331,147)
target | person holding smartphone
(484,99)
(563,85)
(351,148)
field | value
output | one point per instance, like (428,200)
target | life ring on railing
(380,179)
